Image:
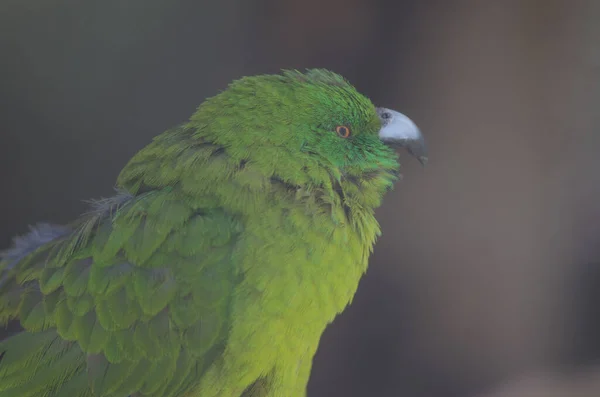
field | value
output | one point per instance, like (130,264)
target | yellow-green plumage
(236,238)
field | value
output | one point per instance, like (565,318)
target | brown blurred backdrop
(484,282)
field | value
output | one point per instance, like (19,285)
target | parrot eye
(343,131)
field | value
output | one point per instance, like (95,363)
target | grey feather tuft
(101,209)
(38,235)
(105,206)
(44,233)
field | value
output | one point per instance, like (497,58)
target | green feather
(76,276)
(113,352)
(80,305)
(123,311)
(106,280)
(135,379)
(32,311)
(154,289)
(104,316)
(185,364)
(50,279)
(50,301)
(146,342)
(104,377)
(76,386)
(201,336)
(98,338)
(64,318)
(20,350)
(53,375)
(160,374)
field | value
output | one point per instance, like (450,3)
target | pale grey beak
(398,130)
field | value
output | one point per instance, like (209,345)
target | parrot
(231,242)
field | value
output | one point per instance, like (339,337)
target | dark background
(484,282)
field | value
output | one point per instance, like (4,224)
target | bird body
(233,241)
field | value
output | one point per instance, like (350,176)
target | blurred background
(486,281)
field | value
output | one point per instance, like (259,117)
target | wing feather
(135,300)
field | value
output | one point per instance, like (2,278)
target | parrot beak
(400,131)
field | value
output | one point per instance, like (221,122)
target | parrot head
(297,126)
(307,132)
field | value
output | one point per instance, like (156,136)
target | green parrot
(233,240)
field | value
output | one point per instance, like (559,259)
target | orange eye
(343,131)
